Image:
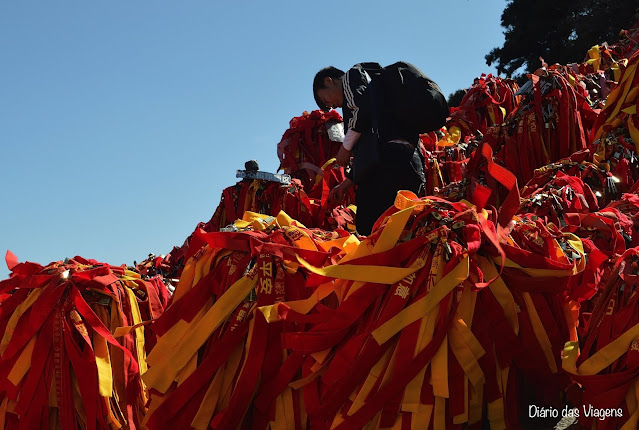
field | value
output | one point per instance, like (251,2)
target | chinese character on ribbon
(402,291)
(266,285)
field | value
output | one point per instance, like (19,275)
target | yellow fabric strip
(540,333)
(230,370)
(371,379)
(491,114)
(475,405)
(536,273)
(279,423)
(204,415)
(139,330)
(392,230)
(337,421)
(296,385)
(424,305)
(302,306)
(123,331)
(319,357)
(501,292)
(439,419)
(465,356)
(619,92)
(13,320)
(632,110)
(631,96)
(617,96)
(289,413)
(362,273)
(154,405)
(412,394)
(421,419)
(187,370)
(161,375)
(502,379)
(251,216)
(468,338)
(407,199)
(631,398)
(186,280)
(439,373)
(23,364)
(284,220)
(463,417)
(569,357)
(176,333)
(304,241)
(346,244)
(302,409)
(466,307)
(631,424)
(3,412)
(203,266)
(602,358)
(173,335)
(571,313)
(103,363)
(363,249)
(496,415)
(386,240)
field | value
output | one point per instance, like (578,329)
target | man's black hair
(318,82)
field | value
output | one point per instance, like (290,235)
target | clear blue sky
(122,121)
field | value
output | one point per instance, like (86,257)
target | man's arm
(344,154)
(356,98)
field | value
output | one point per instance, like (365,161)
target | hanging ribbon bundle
(486,103)
(311,140)
(628,42)
(447,164)
(603,184)
(261,196)
(561,194)
(550,123)
(73,345)
(606,235)
(216,357)
(605,361)
(616,136)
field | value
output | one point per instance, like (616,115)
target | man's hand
(336,195)
(343,156)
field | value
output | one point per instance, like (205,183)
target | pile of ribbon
(605,360)
(73,344)
(431,319)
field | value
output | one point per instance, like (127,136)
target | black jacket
(358,109)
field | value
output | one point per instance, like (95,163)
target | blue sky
(122,122)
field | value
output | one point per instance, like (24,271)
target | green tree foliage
(454,99)
(559,31)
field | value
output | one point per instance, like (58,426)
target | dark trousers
(401,168)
